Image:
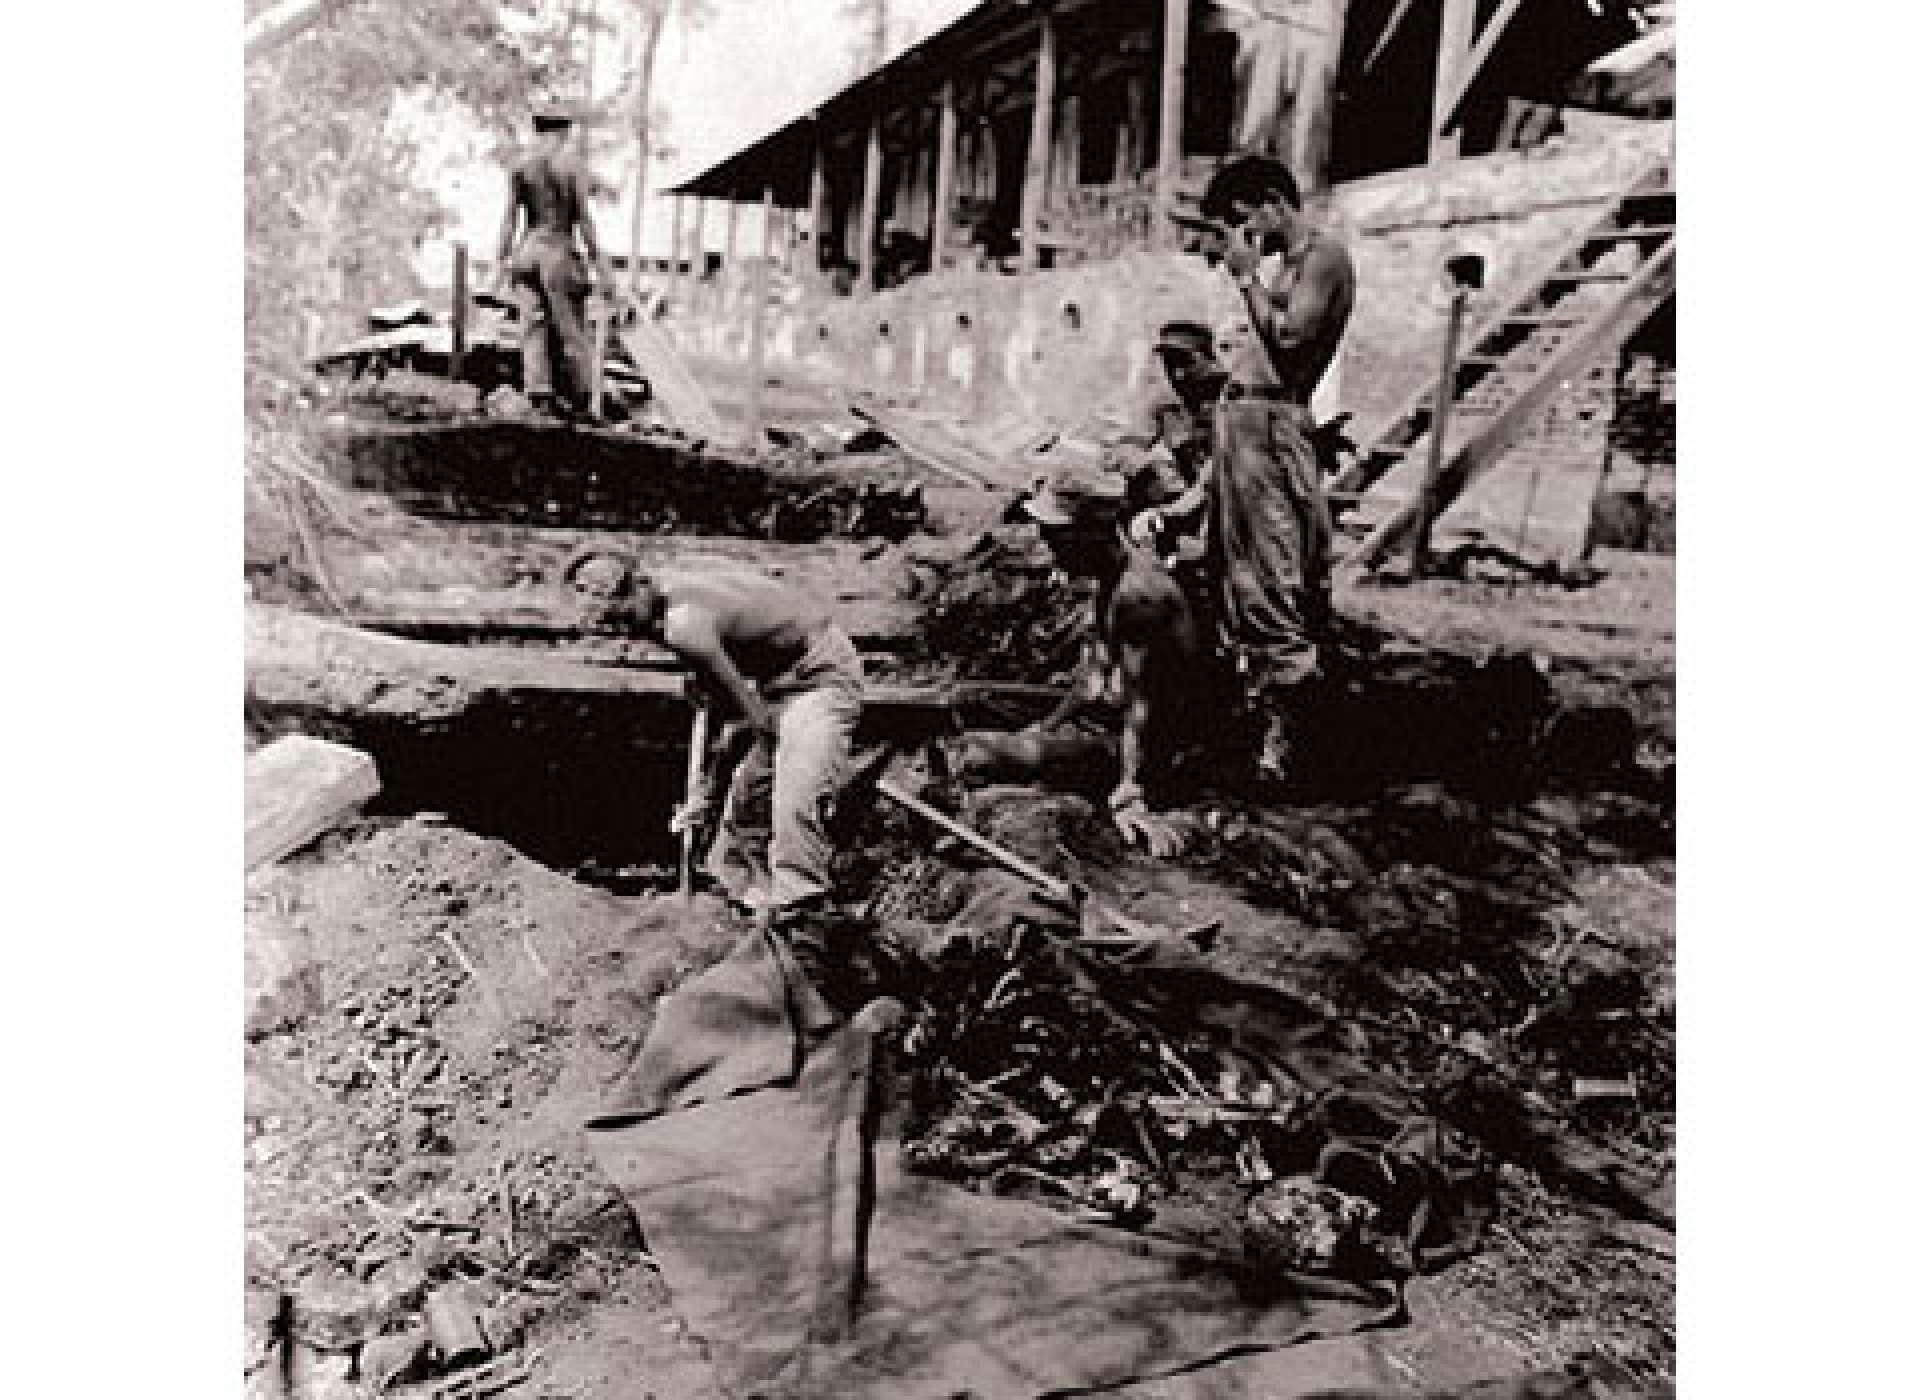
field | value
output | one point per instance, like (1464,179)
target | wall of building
(1070,346)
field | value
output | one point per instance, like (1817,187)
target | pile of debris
(407,344)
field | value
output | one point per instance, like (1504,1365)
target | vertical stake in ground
(457,358)
(1465,272)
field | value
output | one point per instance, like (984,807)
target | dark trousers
(550,285)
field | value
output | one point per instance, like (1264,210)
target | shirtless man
(1147,655)
(550,283)
(1269,531)
(788,680)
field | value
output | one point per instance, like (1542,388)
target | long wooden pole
(1173,106)
(757,336)
(1039,145)
(947,142)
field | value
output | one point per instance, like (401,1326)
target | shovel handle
(696,763)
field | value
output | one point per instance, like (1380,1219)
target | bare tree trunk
(642,135)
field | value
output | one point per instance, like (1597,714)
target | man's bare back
(765,628)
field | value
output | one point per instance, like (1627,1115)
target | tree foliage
(334,206)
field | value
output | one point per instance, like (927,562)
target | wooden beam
(943,173)
(733,233)
(1456,41)
(1033,194)
(298,787)
(1475,60)
(869,209)
(1173,105)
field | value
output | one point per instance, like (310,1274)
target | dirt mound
(433,1017)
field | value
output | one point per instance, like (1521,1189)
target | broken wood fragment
(299,787)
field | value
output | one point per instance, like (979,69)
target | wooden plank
(299,787)
(1637,301)
(1173,100)
(1033,192)
(675,390)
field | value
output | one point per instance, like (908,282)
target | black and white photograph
(961,698)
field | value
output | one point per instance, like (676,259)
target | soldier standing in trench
(1269,530)
(549,280)
(788,680)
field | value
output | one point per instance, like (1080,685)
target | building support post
(869,208)
(1173,106)
(697,253)
(1039,145)
(757,334)
(943,173)
(1456,42)
(674,292)
(817,202)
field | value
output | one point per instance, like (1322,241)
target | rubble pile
(1003,606)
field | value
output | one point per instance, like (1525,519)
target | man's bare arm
(1287,325)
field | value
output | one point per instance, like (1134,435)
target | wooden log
(299,787)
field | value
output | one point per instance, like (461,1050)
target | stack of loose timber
(1602,287)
